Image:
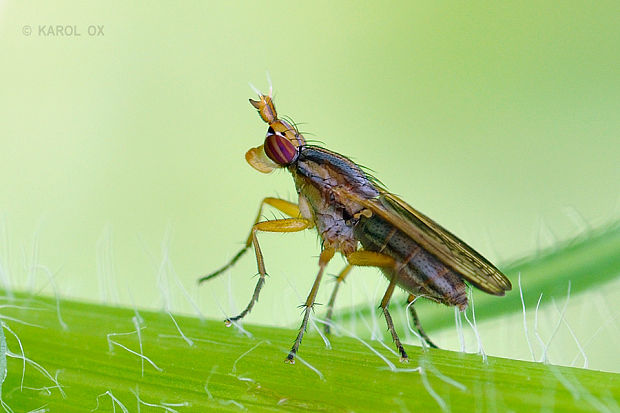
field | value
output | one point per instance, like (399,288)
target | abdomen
(418,272)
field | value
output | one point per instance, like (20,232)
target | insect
(358,218)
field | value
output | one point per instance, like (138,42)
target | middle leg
(326,255)
(330,306)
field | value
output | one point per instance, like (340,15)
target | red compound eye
(280,150)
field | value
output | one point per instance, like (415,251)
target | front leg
(289,208)
(278,225)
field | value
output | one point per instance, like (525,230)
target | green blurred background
(121,157)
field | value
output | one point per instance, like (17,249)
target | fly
(360,219)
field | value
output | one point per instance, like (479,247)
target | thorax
(321,176)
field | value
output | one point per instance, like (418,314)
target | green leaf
(216,368)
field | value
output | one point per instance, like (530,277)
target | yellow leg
(371,259)
(377,259)
(289,208)
(326,256)
(278,225)
(361,259)
(330,306)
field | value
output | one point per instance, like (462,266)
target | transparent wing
(431,236)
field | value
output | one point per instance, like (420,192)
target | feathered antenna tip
(270,84)
(258,92)
(255,89)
